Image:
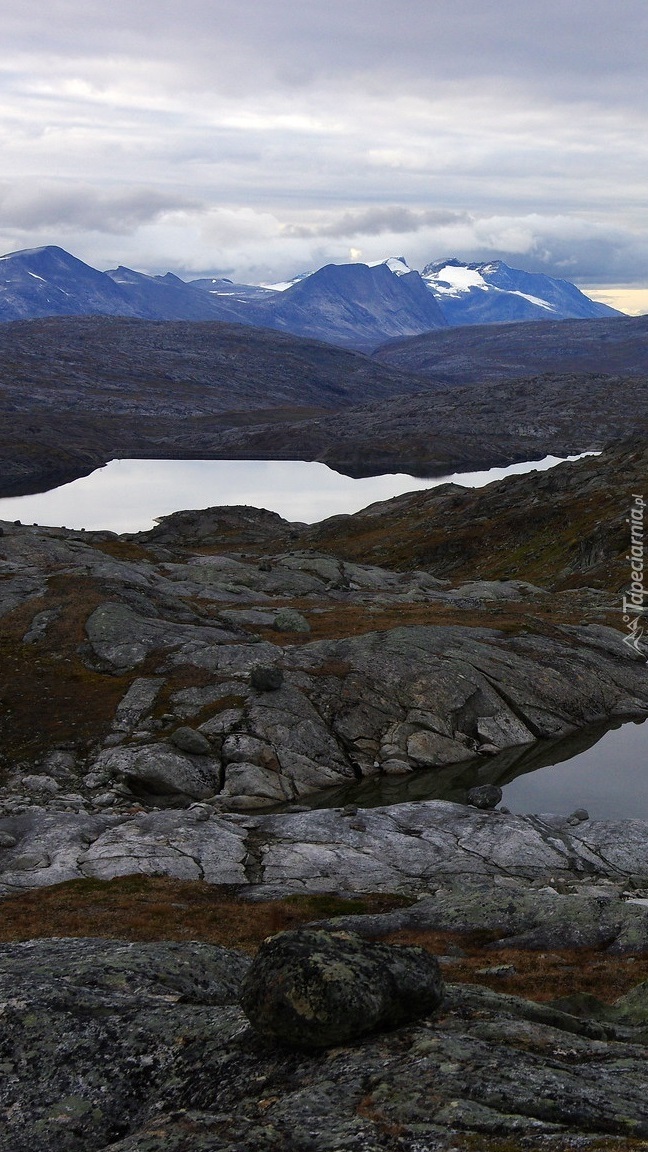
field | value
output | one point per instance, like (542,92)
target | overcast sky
(260,138)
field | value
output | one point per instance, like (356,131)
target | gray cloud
(293,45)
(267,138)
(374,222)
(84,206)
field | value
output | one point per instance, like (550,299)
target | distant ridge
(351,305)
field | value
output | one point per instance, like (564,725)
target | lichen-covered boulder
(312,988)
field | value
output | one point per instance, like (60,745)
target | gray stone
(96,779)
(503,730)
(137,703)
(59,764)
(288,620)
(45,784)
(579,816)
(30,861)
(431,750)
(104,799)
(191,741)
(251,782)
(159,768)
(39,625)
(484,796)
(240,748)
(315,989)
(7,840)
(158,1057)
(266,678)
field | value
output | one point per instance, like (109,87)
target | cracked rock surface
(289,672)
(143,1047)
(405,848)
(170,700)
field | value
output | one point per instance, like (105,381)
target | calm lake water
(128,495)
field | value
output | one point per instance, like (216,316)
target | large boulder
(312,988)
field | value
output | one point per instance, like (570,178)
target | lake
(129,495)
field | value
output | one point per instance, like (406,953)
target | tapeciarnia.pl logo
(633,598)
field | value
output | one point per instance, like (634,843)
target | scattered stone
(96,779)
(484,796)
(137,702)
(191,741)
(254,786)
(40,624)
(289,620)
(503,730)
(158,768)
(60,764)
(266,679)
(311,988)
(430,750)
(578,817)
(45,784)
(7,840)
(502,970)
(104,799)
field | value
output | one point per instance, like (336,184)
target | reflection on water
(128,495)
(602,769)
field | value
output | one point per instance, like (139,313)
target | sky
(257,140)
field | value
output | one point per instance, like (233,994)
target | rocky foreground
(172,701)
(145,1048)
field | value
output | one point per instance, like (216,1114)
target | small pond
(603,769)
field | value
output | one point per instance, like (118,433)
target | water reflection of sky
(610,779)
(127,495)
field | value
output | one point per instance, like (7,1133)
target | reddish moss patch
(538,975)
(160,908)
(48,695)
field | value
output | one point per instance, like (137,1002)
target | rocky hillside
(506,351)
(75,393)
(171,704)
(464,428)
(228,654)
(564,528)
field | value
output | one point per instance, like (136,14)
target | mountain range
(351,305)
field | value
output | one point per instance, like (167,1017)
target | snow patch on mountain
(355,304)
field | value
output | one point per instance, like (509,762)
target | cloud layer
(258,140)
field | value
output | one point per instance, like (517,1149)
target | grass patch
(538,975)
(161,908)
(48,695)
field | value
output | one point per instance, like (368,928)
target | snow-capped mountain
(494,293)
(353,305)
